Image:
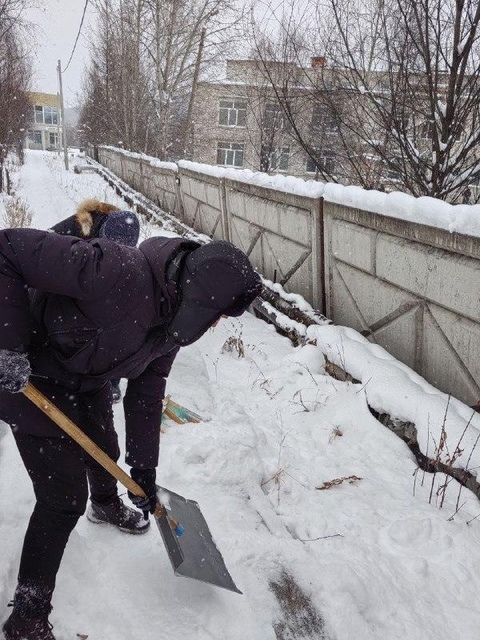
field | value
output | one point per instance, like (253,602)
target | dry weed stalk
(447,465)
(277,480)
(264,382)
(234,344)
(17,213)
(438,451)
(277,476)
(307,369)
(264,387)
(335,433)
(470,521)
(311,406)
(468,459)
(443,461)
(215,366)
(337,481)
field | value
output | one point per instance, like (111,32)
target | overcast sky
(58,22)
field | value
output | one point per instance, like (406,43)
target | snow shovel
(181,415)
(190,546)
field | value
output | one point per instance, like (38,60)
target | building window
(51,115)
(275,159)
(275,118)
(324,162)
(35,137)
(53,139)
(233,113)
(230,154)
(323,119)
(46,115)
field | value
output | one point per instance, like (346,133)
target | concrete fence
(412,288)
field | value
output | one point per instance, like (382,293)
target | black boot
(29,618)
(18,628)
(117,513)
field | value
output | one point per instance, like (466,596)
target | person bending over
(101,310)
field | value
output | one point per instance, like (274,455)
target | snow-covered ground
(375,557)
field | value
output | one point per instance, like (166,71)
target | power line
(78,35)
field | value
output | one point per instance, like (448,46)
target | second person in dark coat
(96,219)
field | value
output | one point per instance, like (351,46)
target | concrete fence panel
(158,183)
(133,169)
(161,187)
(275,231)
(413,291)
(202,203)
(111,160)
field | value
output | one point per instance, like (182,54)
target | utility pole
(59,108)
(62,109)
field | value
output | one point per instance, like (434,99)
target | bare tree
(306,110)
(149,54)
(172,38)
(399,83)
(15,76)
(116,105)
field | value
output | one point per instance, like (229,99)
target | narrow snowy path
(52,193)
(374,559)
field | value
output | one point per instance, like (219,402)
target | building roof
(43,99)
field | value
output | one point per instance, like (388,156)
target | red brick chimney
(318,61)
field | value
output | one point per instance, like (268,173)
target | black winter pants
(58,469)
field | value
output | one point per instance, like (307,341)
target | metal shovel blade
(194,554)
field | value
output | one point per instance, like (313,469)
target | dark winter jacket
(87,221)
(100,311)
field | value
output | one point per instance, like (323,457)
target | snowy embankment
(374,555)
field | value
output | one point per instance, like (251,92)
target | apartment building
(239,123)
(46,130)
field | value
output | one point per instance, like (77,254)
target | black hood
(215,279)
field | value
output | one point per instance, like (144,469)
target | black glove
(146,479)
(14,370)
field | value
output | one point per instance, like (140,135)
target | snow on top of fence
(154,162)
(286,184)
(459,218)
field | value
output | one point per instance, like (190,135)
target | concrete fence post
(141,185)
(318,263)
(181,194)
(179,209)
(122,168)
(224,209)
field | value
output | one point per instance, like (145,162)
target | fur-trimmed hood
(96,219)
(86,211)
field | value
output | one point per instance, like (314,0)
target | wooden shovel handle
(57,416)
